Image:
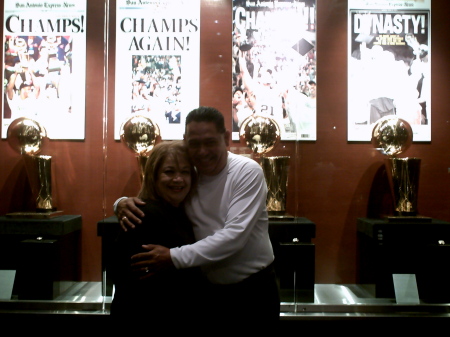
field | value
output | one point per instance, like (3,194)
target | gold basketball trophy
(27,137)
(393,136)
(261,134)
(140,134)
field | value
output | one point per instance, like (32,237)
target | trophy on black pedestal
(393,136)
(140,134)
(261,134)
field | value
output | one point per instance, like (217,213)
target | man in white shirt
(230,224)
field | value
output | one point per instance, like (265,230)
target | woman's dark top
(172,295)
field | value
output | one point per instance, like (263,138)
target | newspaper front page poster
(44,70)
(157,63)
(389,66)
(274,65)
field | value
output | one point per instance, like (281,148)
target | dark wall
(332,181)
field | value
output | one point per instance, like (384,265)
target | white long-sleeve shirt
(230,222)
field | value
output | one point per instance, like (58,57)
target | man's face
(250,99)
(207,147)
(25,92)
(237,97)
(312,90)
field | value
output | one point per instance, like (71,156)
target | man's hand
(150,263)
(129,215)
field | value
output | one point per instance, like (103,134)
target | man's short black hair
(248,93)
(25,84)
(207,114)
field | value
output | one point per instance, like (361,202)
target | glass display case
(324,191)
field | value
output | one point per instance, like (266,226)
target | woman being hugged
(171,295)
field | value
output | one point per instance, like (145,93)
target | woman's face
(174,180)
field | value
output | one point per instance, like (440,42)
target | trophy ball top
(259,133)
(140,134)
(392,136)
(26,136)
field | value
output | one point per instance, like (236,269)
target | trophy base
(408,218)
(280,216)
(34,215)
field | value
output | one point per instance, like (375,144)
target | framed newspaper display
(44,70)
(157,63)
(389,65)
(274,65)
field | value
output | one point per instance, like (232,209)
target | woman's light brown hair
(175,149)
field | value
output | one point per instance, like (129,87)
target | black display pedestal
(294,257)
(405,246)
(293,250)
(108,230)
(44,253)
